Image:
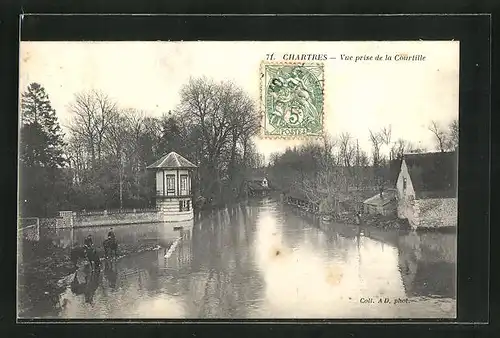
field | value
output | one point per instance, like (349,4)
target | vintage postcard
(238,179)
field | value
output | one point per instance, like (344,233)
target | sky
(359,96)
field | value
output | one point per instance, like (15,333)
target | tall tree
(41,136)
(223,119)
(40,153)
(93,113)
(172,138)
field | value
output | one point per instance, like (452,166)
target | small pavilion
(174,196)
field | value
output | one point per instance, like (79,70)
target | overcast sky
(358,95)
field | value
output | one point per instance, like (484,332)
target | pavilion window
(184,205)
(170,183)
(184,184)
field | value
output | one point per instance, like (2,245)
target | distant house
(382,204)
(258,185)
(427,189)
(385,202)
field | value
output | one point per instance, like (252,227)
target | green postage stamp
(292,99)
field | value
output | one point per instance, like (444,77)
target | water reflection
(263,260)
(110,273)
(88,286)
(302,281)
(427,264)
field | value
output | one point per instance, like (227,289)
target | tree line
(321,171)
(101,162)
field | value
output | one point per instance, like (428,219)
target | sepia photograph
(238,180)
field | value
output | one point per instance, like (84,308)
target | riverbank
(375,221)
(44,267)
(348,215)
(40,267)
(351,217)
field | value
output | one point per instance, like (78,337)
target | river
(260,259)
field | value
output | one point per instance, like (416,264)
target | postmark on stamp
(292,99)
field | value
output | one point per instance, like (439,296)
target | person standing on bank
(88,241)
(111,234)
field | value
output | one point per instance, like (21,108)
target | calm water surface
(265,260)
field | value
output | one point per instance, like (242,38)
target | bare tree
(399,148)
(117,139)
(376,143)
(439,135)
(385,136)
(225,118)
(347,154)
(93,112)
(416,149)
(453,135)
(347,149)
(78,157)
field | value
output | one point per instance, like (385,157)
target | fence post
(37,229)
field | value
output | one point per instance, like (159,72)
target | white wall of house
(159,182)
(264,182)
(424,213)
(406,196)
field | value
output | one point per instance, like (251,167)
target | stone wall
(70,219)
(170,208)
(66,217)
(116,219)
(49,226)
(30,232)
(437,212)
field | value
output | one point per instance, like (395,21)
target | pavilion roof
(172,161)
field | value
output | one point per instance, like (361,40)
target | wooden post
(121,180)
(163,179)
(178,183)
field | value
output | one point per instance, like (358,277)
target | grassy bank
(41,266)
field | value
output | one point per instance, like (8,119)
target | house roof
(252,185)
(433,175)
(171,161)
(388,196)
(258,178)
(295,193)
(394,169)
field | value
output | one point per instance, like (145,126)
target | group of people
(89,252)
(89,244)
